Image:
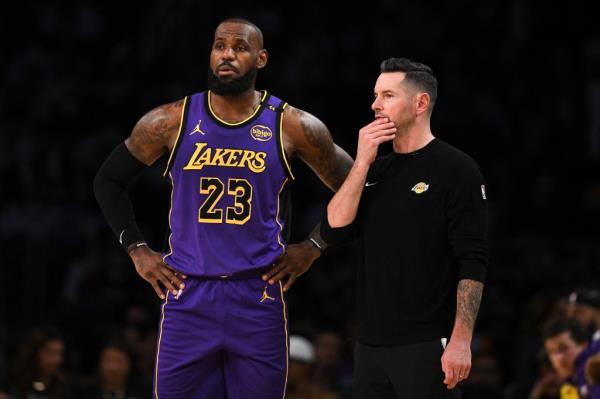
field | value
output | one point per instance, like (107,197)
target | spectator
(115,378)
(330,371)
(37,372)
(302,362)
(584,307)
(547,386)
(567,347)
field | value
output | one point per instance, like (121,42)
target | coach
(420,213)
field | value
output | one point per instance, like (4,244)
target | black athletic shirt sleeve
(466,213)
(337,235)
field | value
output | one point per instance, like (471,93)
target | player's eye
(241,48)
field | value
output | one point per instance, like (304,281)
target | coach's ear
(261,61)
(422,102)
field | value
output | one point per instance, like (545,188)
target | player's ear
(261,61)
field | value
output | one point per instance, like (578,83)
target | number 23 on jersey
(214,189)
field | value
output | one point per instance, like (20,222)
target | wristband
(135,245)
(316,244)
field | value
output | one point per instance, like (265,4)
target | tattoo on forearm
(468,301)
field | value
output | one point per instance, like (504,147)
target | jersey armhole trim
(280,147)
(182,124)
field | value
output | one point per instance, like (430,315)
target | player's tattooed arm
(155,133)
(308,138)
(315,146)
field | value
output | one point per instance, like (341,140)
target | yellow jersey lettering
(233,154)
(191,163)
(227,157)
(258,164)
(204,158)
(248,156)
(218,159)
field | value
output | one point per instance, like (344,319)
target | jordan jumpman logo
(266,296)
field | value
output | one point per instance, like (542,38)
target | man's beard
(233,86)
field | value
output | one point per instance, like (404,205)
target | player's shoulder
(293,113)
(300,123)
(169,110)
(273,102)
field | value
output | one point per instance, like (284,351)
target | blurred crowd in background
(519,90)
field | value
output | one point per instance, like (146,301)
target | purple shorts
(223,339)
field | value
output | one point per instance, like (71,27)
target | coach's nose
(376,106)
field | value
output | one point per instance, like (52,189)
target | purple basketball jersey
(227,180)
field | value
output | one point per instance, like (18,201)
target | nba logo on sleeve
(483,192)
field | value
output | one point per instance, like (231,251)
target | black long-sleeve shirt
(422,224)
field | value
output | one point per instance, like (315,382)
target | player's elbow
(100,184)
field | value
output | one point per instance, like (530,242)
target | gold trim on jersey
(181,127)
(277,216)
(162,320)
(287,349)
(283,155)
(212,112)
(170,210)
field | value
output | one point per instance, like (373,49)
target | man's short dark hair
(418,74)
(556,327)
(259,34)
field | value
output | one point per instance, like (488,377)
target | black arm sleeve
(467,224)
(337,235)
(115,175)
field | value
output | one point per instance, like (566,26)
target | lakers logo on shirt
(420,188)
(261,133)
(266,296)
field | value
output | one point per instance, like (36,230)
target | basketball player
(223,328)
